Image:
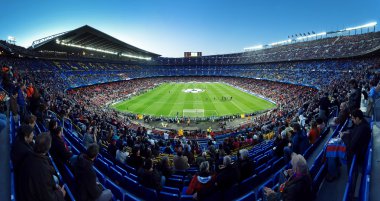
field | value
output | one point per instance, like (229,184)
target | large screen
(192,54)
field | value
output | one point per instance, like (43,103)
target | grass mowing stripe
(159,101)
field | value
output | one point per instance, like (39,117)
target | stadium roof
(87,38)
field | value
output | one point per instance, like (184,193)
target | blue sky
(171,27)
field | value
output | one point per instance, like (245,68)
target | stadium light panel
(257,47)
(136,57)
(372,24)
(281,42)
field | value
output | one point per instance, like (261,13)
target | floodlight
(372,24)
(257,47)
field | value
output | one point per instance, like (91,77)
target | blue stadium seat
(102,166)
(319,178)
(264,174)
(170,189)
(279,163)
(185,197)
(116,190)
(259,192)
(131,185)
(130,169)
(148,193)
(101,177)
(248,197)
(69,196)
(364,194)
(130,197)
(115,175)
(260,168)
(174,182)
(231,193)
(248,184)
(121,170)
(165,196)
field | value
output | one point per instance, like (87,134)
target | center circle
(194,91)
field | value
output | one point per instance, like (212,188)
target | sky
(171,27)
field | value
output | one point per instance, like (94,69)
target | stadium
(87,116)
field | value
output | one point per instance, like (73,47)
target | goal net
(193,112)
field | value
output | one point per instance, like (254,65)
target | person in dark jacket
(324,104)
(135,160)
(149,177)
(297,187)
(21,148)
(59,149)
(228,176)
(299,140)
(38,175)
(165,168)
(245,165)
(88,187)
(354,96)
(357,139)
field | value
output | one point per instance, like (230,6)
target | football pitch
(195,99)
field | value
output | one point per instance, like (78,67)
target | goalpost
(193,112)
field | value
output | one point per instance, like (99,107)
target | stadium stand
(72,90)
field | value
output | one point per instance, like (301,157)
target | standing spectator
(299,140)
(21,148)
(324,104)
(88,186)
(189,154)
(21,100)
(228,176)
(357,139)
(14,107)
(372,96)
(245,165)
(313,133)
(38,175)
(354,96)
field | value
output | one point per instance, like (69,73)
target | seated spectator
(21,148)
(38,175)
(299,139)
(59,149)
(122,154)
(150,177)
(202,182)
(165,168)
(135,160)
(189,154)
(180,161)
(201,158)
(88,186)
(89,137)
(298,185)
(228,176)
(245,165)
(343,115)
(168,149)
(31,120)
(313,133)
(52,125)
(112,149)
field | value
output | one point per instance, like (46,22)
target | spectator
(88,186)
(313,133)
(372,96)
(245,165)
(165,168)
(180,161)
(135,160)
(357,139)
(202,183)
(150,177)
(354,96)
(298,185)
(38,175)
(189,154)
(280,143)
(31,120)
(324,104)
(14,107)
(122,154)
(228,176)
(299,140)
(59,149)
(21,148)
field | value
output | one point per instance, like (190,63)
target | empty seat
(174,182)
(165,196)
(121,170)
(130,197)
(69,196)
(131,185)
(247,184)
(102,166)
(170,189)
(248,197)
(116,190)
(147,193)
(100,176)
(115,175)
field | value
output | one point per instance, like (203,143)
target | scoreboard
(192,54)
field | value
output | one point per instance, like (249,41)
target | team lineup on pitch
(195,99)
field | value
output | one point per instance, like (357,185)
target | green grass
(159,101)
